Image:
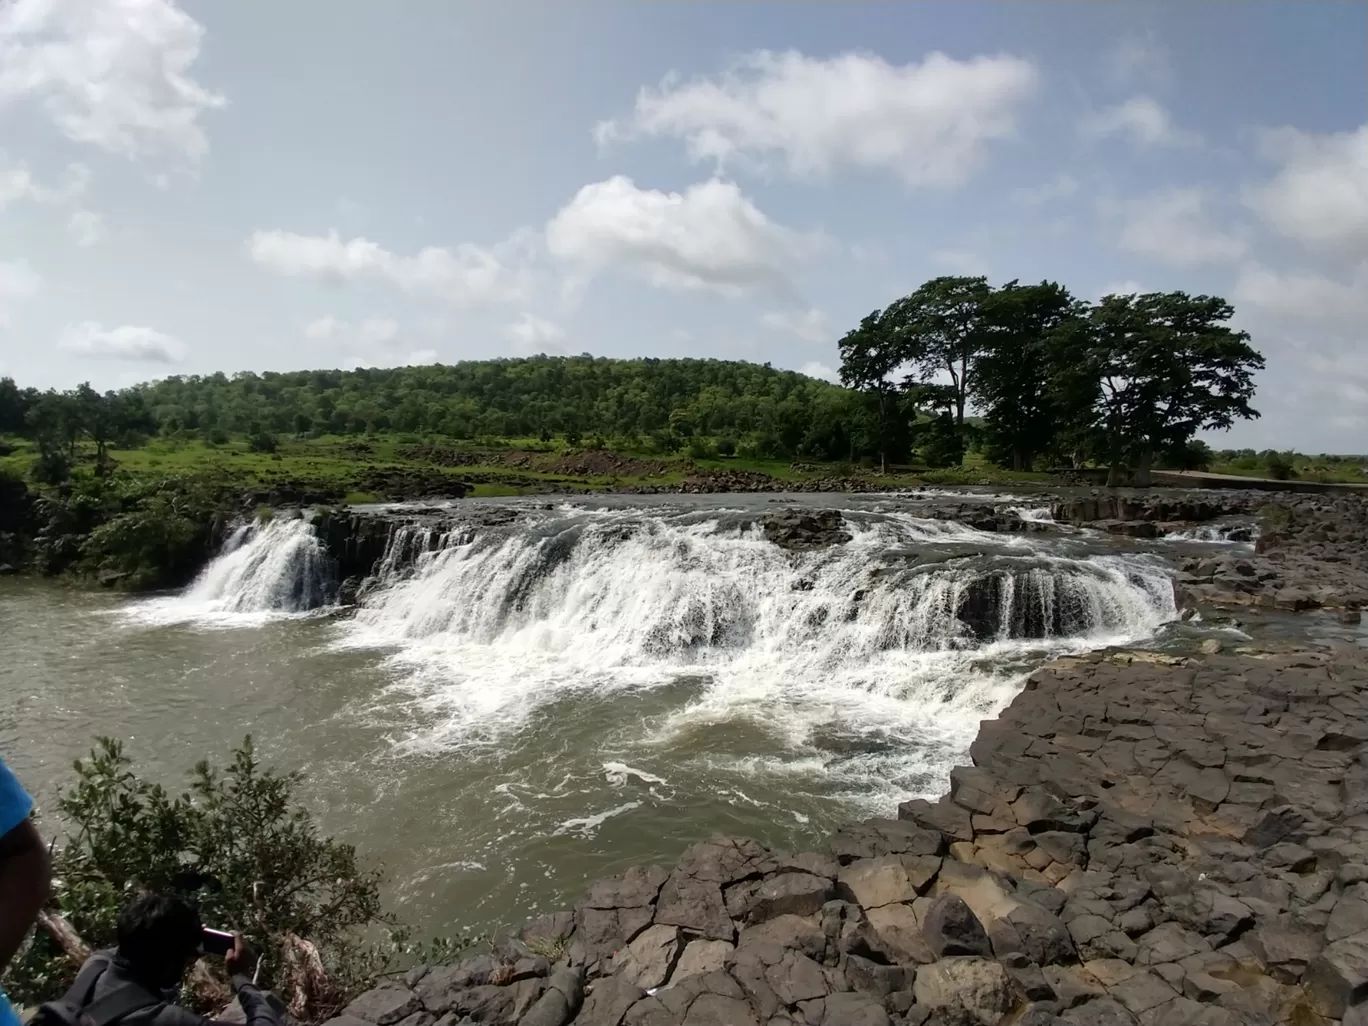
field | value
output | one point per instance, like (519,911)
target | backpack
(75,1007)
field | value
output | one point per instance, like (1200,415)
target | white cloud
(85,227)
(1319,196)
(1139,59)
(1173,227)
(126,342)
(19,184)
(1061,186)
(533,334)
(17,283)
(1142,119)
(815,369)
(111,73)
(929,123)
(467,274)
(1311,328)
(370,342)
(710,237)
(1304,299)
(809,325)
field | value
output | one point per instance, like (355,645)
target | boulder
(976,991)
(384,1005)
(804,530)
(798,894)
(1338,977)
(650,958)
(872,883)
(951,928)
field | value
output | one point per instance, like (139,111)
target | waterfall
(911,621)
(274,567)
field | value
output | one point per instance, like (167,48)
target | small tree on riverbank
(239,843)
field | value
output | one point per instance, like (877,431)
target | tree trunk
(1142,468)
(1017,462)
(65,935)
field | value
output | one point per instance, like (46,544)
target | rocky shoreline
(1141,839)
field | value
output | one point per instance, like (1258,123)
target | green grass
(349,466)
(1336,471)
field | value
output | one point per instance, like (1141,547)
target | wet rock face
(1141,840)
(804,530)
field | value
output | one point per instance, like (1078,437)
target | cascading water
(275,567)
(1215,533)
(868,664)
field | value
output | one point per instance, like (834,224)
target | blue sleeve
(15,804)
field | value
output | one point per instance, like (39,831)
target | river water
(530,706)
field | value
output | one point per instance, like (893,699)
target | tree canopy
(1116,382)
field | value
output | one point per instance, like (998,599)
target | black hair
(159,934)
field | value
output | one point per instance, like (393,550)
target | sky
(195,187)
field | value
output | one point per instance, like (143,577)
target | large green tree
(1145,373)
(1011,383)
(870,357)
(939,330)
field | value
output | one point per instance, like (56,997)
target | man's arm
(240,964)
(25,876)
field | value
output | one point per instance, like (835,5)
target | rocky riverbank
(1141,839)
(1314,554)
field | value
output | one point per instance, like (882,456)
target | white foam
(618,772)
(1035,514)
(842,650)
(1212,534)
(587,826)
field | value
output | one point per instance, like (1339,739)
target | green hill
(654,403)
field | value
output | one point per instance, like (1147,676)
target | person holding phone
(159,938)
(25,875)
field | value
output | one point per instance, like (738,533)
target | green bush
(699,448)
(262,442)
(1279,466)
(239,842)
(161,542)
(726,447)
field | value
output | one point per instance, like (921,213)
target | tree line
(1117,383)
(1028,374)
(658,404)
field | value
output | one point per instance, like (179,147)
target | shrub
(158,543)
(726,447)
(1279,466)
(240,844)
(699,448)
(262,441)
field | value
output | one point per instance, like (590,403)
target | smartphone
(215,942)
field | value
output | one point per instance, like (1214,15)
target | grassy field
(366,468)
(1298,467)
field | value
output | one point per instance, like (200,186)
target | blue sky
(194,187)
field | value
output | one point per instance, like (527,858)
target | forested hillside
(665,402)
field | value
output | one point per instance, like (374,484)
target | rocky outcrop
(803,530)
(1142,839)
(1118,507)
(1313,554)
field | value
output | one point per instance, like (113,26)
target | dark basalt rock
(804,530)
